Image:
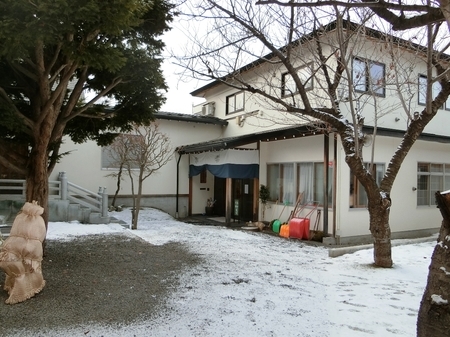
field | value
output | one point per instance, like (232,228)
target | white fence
(62,189)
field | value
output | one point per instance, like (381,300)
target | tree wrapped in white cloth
(21,254)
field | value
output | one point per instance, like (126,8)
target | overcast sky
(178,97)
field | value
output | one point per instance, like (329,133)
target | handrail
(13,189)
(16,189)
(84,197)
(8,187)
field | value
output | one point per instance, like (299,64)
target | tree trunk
(133,197)
(434,314)
(119,178)
(381,233)
(138,200)
(37,178)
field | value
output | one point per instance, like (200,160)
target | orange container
(299,228)
(284,231)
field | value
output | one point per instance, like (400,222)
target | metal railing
(62,189)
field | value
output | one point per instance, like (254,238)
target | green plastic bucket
(276,226)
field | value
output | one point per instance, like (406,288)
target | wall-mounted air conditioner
(208,109)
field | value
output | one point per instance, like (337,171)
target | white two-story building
(235,141)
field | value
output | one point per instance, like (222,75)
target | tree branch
(381,8)
(28,122)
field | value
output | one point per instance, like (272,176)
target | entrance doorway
(219,196)
(242,200)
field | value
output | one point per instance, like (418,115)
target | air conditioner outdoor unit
(208,109)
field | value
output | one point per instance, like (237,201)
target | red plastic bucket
(299,228)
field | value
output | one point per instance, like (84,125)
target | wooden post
(228,197)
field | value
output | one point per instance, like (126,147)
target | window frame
(357,191)
(422,96)
(367,82)
(106,158)
(233,97)
(307,79)
(444,174)
(282,187)
(279,191)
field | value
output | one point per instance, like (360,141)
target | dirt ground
(113,279)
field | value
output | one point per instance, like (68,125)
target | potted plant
(264,195)
(209,209)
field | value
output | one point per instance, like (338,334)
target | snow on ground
(253,284)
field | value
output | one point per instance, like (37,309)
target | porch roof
(286,133)
(233,142)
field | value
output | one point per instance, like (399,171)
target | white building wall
(405,215)
(201,192)
(83,163)
(405,218)
(294,150)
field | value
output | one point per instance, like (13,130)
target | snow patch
(442,245)
(437,299)
(445,271)
(252,284)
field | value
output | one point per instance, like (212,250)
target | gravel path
(113,279)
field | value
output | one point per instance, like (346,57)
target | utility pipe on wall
(178,187)
(326,158)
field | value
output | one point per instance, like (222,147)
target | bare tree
(273,39)
(401,15)
(140,153)
(434,314)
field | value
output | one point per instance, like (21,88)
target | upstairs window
(235,103)
(288,86)
(369,77)
(422,92)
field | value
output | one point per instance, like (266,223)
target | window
(430,179)
(203,175)
(280,182)
(116,153)
(286,181)
(368,76)
(288,86)
(436,88)
(358,195)
(310,181)
(235,102)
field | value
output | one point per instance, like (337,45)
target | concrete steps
(58,211)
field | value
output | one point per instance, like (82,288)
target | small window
(115,155)
(358,195)
(422,92)
(369,77)
(203,177)
(235,102)
(288,86)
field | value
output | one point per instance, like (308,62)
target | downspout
(326,158)
(334,183)
(178,187)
